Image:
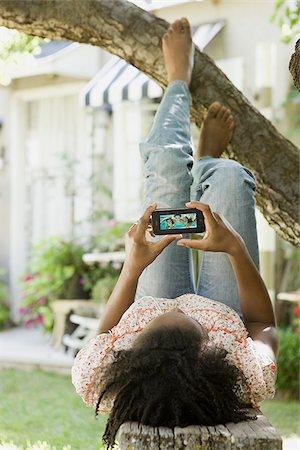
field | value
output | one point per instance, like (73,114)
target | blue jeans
(173,177)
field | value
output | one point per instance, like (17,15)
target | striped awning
(118,80)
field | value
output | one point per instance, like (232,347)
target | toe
(177,25)
(229,119)
(221,112)
(214,109)
(185,27)
(226,114)
(185,22)
(230,125)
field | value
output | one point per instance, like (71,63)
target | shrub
(288,363)
(57,271)
(4,302)
(103,288)
(113,238)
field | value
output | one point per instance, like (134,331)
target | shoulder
(91,363)
(194,301)
(259,371)
(218,318)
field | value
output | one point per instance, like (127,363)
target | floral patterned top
(224,327)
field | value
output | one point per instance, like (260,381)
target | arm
(254,298)
(255,302)
(120,300)
(139,254)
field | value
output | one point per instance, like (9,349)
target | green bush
(113,238)
(4,302)
(103,288)
(288,363)
(57,271)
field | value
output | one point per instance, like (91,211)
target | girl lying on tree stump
(170,353)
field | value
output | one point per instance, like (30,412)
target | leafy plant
(110,240)
(296,319)
(4,303)
(103,288)
(16,50)
(113,238)
(288,363)
(56,271)
(287,16)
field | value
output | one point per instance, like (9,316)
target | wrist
(131,271)
(238,248)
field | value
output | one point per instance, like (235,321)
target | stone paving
(31,348)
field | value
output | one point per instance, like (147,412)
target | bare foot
(216,131)
(178,50)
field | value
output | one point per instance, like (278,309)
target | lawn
(38,406)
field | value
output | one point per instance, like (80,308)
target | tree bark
(294,65)
(135,35)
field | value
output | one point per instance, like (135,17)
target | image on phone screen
(177,221)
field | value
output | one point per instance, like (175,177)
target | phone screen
(177,221)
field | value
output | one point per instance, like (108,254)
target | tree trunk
(294,65)
(135,35)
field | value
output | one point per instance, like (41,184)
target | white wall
(127,178)
(75,61)
(4,179)
(247,26)
(45,125)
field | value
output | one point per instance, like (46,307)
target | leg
(167,157)
(228,188)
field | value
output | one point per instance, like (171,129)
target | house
(45,134)
(78,114)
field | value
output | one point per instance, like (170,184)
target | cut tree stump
(248,435)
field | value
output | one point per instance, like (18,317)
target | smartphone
(177,221)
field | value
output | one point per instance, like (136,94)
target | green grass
(37,406)
(283,415)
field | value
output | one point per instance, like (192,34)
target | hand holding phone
(220,236)
(139,251)
(180,220)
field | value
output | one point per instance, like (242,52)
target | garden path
(31,348)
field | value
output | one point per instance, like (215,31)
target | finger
(131,230)
(192,243)
(151,233)
(223,221)
(132,226)
(207,213)
(144,221)
(217,217)
(146,217)
(166,240)
(150,230)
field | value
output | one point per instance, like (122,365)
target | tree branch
(135,35)
(294,65)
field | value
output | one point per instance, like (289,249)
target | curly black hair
(172,377)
